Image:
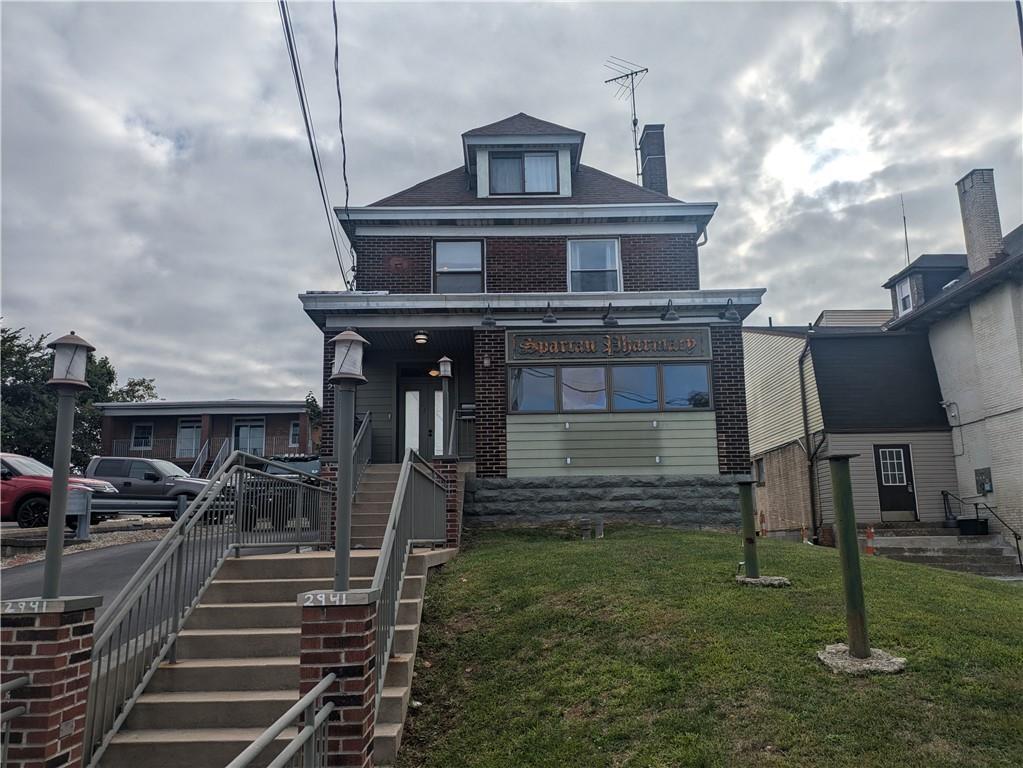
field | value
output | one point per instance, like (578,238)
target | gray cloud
(158,195)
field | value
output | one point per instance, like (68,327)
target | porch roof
(202,407)
(329,309)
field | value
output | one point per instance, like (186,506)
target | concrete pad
(837,659)
(764,581)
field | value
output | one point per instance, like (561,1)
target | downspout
(810,456)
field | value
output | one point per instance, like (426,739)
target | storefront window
(584,389)
(686,386)
(634,387)
(532,389)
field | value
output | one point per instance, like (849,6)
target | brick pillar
(491,409)
(730,399)
(50,641)
(447,468)
(328,474)
(341,639)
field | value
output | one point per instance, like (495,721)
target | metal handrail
(241,506)
(9,714)
(976,513)
(314,722)
(362,449)
(220,458)
(200,460)
(452,445)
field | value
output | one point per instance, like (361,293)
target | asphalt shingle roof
(589,187)
(522,125)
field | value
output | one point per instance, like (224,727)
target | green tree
(30,407)
(312,407)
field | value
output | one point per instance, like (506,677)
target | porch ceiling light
(669,315)
(434,372)
(444,366)
(549,317)
(348,347)
(70,354)
(421,337)
(729,313)
(609,318)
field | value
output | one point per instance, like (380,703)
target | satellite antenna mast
(628,76)
(905,229)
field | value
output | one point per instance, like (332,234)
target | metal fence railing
(308,749)
(363,449)
(200,460)
(9,713)
(242,506)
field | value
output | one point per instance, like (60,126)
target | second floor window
(458,266)
(593,266)
(524,173)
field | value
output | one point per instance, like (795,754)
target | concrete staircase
(238,654)
(933,544)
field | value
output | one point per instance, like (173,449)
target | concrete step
(399,670)
(937,542)
(187,747)
(270,590)
(386,741)
(372,530)
(406,638)
(370,495)
(410,611)
(236,674)
(367,542)
(979,552)
(244,615)
(1002,567)
(370,518)
(209,709)
(371,507)
(232,643)
(393,704)
(292,566)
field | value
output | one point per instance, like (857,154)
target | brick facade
(491,403)
(447,468)
(730,399)
(54,648)
(528,264)
(341,639)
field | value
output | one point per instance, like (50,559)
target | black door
(421,426)
(893,465)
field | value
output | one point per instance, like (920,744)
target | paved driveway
(93,572)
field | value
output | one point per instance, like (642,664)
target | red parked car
(25,490)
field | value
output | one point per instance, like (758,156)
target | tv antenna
(628,76)
(905,229)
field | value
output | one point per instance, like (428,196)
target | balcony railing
(172,449)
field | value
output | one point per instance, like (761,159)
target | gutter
(811,457)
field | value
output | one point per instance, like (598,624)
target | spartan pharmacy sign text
(689,343)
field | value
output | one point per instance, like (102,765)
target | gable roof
(929,261)
(522,125)
(589,187)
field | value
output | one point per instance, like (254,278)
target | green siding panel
(612,443)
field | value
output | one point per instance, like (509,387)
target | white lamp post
(444,366)
(346,375)
(70,355)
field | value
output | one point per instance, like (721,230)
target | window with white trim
(458,266)
(594,266)
(904,296)
(523,173)
(141,437)
(189,436)
(293,434)
(893,466)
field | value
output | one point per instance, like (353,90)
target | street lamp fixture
(729,313)
(70,355)
(346,375)
(444,369)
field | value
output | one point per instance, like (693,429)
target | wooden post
(749,529)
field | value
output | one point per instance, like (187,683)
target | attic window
(904,296)
(523,173)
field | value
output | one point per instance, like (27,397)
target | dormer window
(904,296)
(523,173)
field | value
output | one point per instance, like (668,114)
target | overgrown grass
(640,650)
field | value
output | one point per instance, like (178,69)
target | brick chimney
(651,158)
(981,223)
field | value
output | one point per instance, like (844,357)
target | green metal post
(58,492)
(749,529)
(344,435)
(849,552)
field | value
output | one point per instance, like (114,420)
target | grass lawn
(640,650)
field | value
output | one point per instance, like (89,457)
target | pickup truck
(144,478)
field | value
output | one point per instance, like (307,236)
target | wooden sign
(656,344)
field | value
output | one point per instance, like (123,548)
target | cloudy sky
(158,196)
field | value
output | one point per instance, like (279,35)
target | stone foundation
(693,501)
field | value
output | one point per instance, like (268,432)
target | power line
(296,70)
(340,112)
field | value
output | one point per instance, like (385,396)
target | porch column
(447,468)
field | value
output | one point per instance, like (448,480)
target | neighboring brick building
(970,306)
(570,303)
(193,433)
